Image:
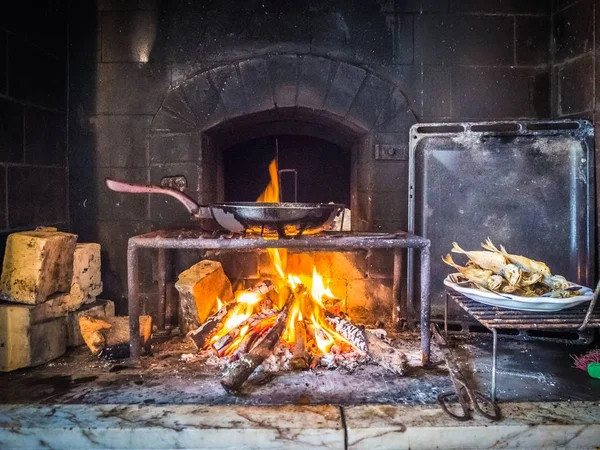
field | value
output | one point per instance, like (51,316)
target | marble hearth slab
(177,426)
(525,425)
(372,427)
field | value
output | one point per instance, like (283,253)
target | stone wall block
(204,100)
(369,102)
(228,82)
(346,83)
(313,81)
(396,115)
(283,71)
(257,84)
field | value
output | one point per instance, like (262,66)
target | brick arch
(304,90)
(352,95)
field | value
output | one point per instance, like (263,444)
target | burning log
(262,288)
(299,360)
(201,334)
(224,342)
(240,370)
(385,355)
(348,330)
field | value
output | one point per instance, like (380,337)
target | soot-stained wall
(575,67)
(365,69)
(33,116)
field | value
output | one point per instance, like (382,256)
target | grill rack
(164,241)
(578,318)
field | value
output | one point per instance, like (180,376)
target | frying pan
(281,219)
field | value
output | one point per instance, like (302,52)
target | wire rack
(494,318)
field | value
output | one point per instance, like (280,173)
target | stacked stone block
(48,281)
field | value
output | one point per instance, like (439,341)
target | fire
(252,314)
(271,192)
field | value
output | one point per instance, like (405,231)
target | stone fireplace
(293,96)
(203,96)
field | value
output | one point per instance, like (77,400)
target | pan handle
(194,209)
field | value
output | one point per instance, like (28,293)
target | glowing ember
(254,312)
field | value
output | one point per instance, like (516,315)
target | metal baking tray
(527,185)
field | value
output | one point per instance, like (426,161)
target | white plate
(509,301)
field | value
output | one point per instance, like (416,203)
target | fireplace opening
(311,169)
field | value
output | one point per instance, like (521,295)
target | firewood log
(263,288)
(386,355)
(109,338)
(299,359)
(240,370)
(347,329)
(201,334)
(221,345)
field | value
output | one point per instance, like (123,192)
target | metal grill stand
(494,318)
(164,241)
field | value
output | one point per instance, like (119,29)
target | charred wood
(299,358)
(386,355)
(355,335)
(200,335)
(224,342)
(263,288)
(240,370)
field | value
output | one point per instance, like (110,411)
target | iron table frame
(576,318)
(164,241)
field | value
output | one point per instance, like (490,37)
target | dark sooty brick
(576,86)
(3,216)
(437,91)
(36,76)
(313,80)
(468,39)
(128,88)
(255,77)
(369,102)
(3,62)
(344,88)
(45,137)
(480,93)
(36,196)
(11,131)
(533,40)
(573,30)
(283,71)
(229,84)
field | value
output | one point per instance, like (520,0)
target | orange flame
(306,284)
(271,192)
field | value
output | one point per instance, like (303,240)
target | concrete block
(24,343)
(199,286)
(100,309)
(36,265)
(86,283)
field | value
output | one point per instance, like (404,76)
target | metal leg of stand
(399,313)
(494,357)
(425,307)
(446,314)
(135,302)
(162,289)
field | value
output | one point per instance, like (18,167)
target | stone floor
(78,401)
(527,371)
